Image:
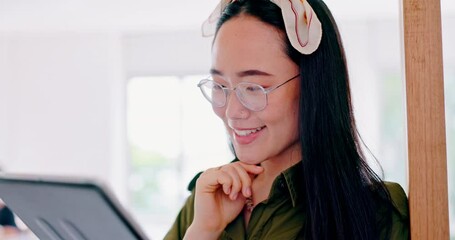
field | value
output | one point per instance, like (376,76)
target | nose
(234,108)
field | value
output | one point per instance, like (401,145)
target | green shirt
(281,216)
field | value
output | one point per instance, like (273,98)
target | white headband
(303,27)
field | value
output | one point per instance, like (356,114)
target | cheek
(291,116)
(220,112)
(295,115)
(295,127)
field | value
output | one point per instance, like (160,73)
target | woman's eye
(217,87)
(253,88)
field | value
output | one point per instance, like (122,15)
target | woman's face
(248,50)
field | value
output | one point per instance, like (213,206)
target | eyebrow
(246,73)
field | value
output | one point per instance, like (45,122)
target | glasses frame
(227,91)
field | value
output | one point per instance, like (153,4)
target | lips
(246,132)
(246,136)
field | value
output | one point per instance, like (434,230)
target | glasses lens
(213,92)
(252,96)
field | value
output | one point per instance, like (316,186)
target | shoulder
(394,213)
(398,197)
(192,183)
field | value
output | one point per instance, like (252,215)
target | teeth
(247,132)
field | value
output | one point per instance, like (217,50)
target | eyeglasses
(252,96)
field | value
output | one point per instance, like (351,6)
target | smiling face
(248,50)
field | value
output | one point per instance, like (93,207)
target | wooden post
(427,158)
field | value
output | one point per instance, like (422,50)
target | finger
(225,180)
(211,180)
(236,181)
(252,169)
(245,179)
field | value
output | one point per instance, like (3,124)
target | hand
(220,196)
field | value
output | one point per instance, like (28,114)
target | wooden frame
(427,159)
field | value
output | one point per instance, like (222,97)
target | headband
(303,27)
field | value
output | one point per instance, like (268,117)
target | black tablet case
(56,208)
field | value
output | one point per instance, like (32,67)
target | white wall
(3,100)
(58,97)
(179,52)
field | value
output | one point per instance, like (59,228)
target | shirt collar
(294,182)
(288,184)
(289,181)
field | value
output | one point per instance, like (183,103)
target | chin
(251,159)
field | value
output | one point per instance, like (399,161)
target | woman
(279,82)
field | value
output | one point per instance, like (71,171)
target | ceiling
(51,15)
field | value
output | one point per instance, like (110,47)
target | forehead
(246,27)
(246,42)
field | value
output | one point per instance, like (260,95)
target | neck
(272,168)
(276,165)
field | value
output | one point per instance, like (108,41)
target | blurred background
(106,89)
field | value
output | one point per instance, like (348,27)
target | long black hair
(341,190)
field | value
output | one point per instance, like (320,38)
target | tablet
(57,208)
